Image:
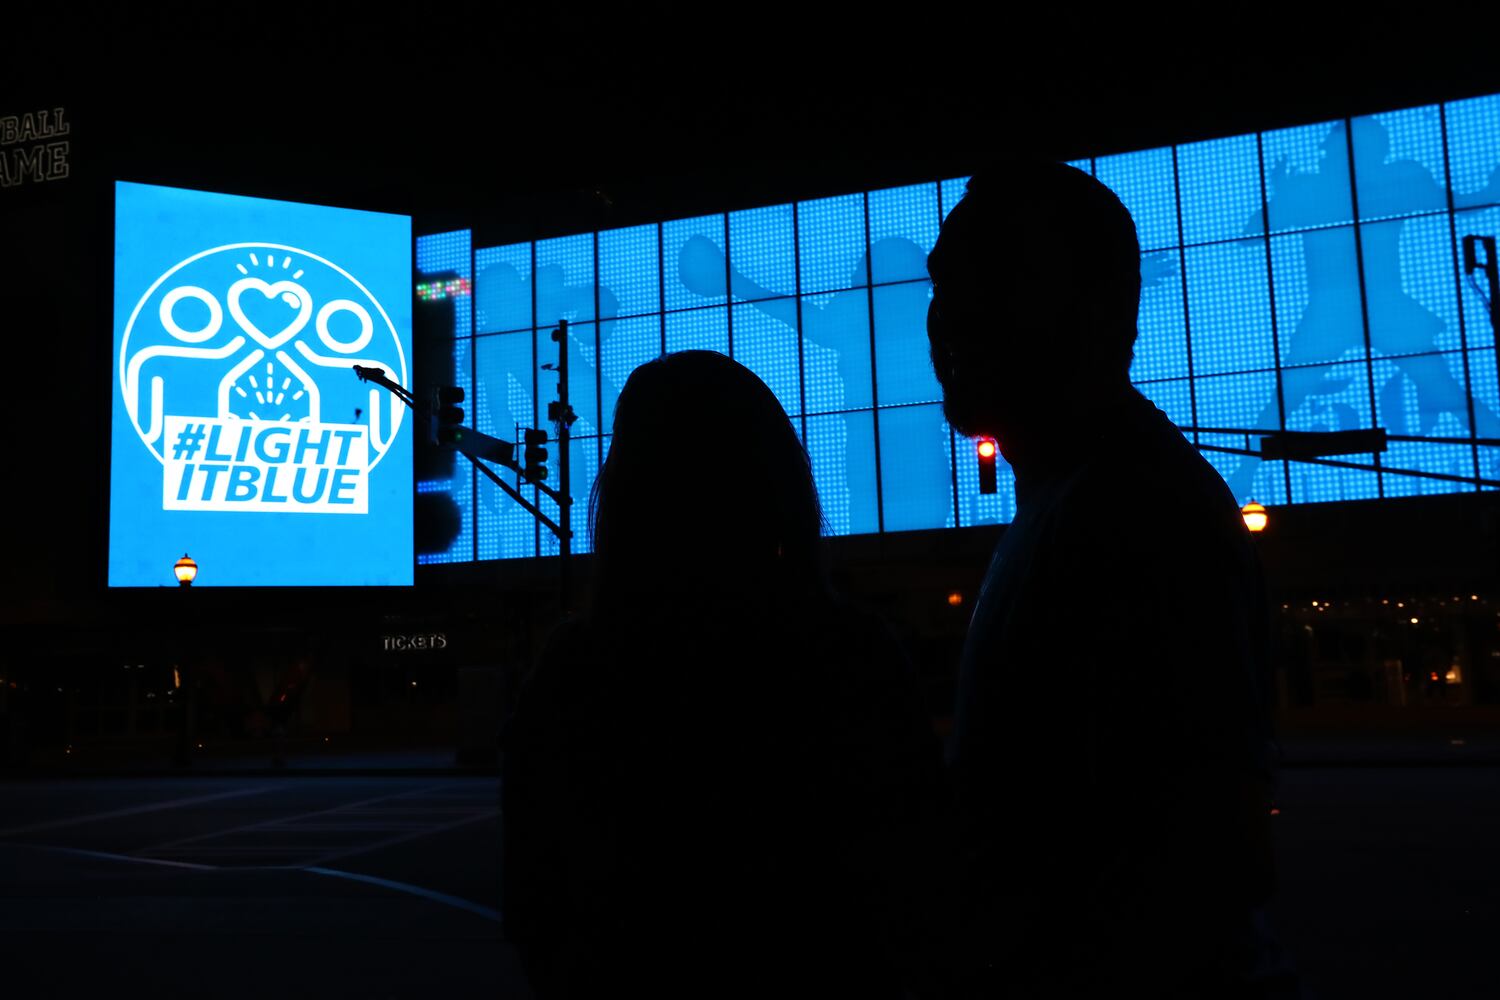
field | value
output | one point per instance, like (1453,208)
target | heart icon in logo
(293,294)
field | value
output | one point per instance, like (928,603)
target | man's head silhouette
(1036,282)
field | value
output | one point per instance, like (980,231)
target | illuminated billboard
(1307,278)
(240,434)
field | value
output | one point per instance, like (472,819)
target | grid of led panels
(1307,278)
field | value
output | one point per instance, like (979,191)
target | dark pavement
(334,886)
(250,887)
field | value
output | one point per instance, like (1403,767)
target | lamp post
(1256,517)
(186,570)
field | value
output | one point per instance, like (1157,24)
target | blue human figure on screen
(1330,326)
(841,325)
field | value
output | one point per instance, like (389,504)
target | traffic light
(448,418)
(987,449)
(536,456)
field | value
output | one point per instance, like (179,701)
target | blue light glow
(1305,278)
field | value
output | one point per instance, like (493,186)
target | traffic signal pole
(562,418)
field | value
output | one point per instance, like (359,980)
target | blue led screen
(1307,278)
(240,434)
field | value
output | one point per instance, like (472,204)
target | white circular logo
(264,333)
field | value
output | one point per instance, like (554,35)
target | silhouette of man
(1110,748)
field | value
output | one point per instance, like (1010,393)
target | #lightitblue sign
(240,433)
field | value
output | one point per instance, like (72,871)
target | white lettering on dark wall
(407,643)
(29,150)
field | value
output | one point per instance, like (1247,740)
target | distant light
(413,683)
(1453,676)
(955,598)
(1473,597)
(186,570)
(1385,600)
(1255,517)
(1414,621)
(200,746)
(1456,743)
(1400,604)
(1275,811)
(176,678)
(437,291)
(1433,675)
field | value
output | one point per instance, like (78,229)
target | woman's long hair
(706,494)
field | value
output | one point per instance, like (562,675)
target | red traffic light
(986,448)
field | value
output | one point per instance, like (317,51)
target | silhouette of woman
(721,782)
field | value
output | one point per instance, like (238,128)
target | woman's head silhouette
(706,493)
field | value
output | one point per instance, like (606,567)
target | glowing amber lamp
(1255,517)
(986,448)
(955,599)
(186,570)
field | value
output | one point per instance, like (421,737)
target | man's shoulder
(1148,484)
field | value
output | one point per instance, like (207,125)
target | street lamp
(1255,517)
(186,569)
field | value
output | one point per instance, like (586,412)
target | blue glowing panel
(629,272)
(450,499)
(763,252)
(584,466)
(1307,177)
(448,253)
(699,330)
(903,362)
(1474,150)
(903,229)
(1477,330)
(503,404)
(1229,307)
(1489,467)
(1145,183)
(1482,383)
(565,280)
(1401,408)
(628,344)
(841,449)
(240,434)
(1338,400)
(1236,401)
(983,508)
(504,393)
(1219,184)
(836,351)
(455,491)
(916,468)
(1086,165)
(1409,286)
(583,378)
(765,341)
(950,192)
(1161,340)
(1319,309)
(693,264)
(1398,163)
(831,238)
(1173,397)
(502,289)
(1424,395)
